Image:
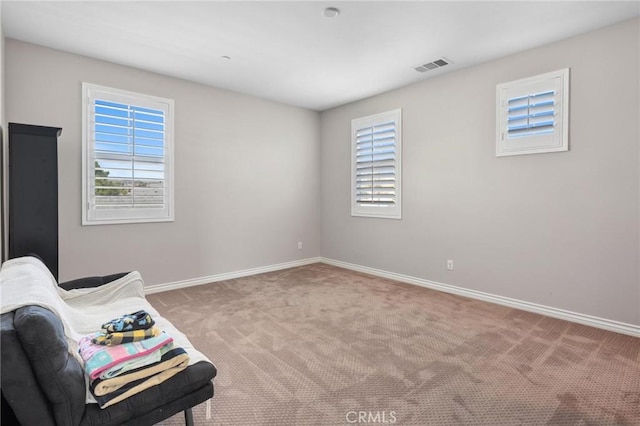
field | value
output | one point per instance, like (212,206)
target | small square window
(533,115)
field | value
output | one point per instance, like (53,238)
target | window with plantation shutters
(532,115)
(376,165)
(127,157)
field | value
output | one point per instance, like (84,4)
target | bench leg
(188,417)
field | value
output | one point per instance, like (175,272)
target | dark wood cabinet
(33,192)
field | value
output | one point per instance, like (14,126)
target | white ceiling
(288,52)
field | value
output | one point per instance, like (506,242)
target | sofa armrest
(89,282)
(58,374)
(20,388)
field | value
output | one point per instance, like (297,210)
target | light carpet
(320,345)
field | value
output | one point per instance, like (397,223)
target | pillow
(58,373)
(20,388)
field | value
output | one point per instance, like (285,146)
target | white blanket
(27,281)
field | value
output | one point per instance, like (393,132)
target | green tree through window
(102,180)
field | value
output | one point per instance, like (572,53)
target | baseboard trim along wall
(606,324)
(603,323)
(159,288)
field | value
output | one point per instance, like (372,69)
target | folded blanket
(134,387)
(135,363)
(139,320)
(176,359)
(117,338)
(98,358)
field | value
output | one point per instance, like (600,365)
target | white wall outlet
(299,245)
(450,265)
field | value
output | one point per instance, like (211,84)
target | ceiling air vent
(439,63)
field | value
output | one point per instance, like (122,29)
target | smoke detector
(331,12)
(438,63)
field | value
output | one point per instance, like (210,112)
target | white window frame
(378,211)
(93,216)
(553,141)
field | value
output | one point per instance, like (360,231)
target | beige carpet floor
(320,345)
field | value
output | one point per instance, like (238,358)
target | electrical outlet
(299,245)
(450,265)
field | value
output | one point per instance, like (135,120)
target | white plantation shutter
(532,114)
(128,154)
(376,165)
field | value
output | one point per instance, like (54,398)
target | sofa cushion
(90,282)
(20,388)
(59,374)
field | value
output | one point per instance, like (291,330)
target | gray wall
(246,172)
(2,146)
(560,229)
(1,71)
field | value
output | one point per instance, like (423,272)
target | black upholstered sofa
(42,384)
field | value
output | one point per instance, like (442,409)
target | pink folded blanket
(98,358)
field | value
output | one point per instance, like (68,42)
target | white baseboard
(606,324)
(158,288)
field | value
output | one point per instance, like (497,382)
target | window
(533,114)
(376,165)
(127,142)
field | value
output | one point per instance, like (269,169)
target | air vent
(439,63)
